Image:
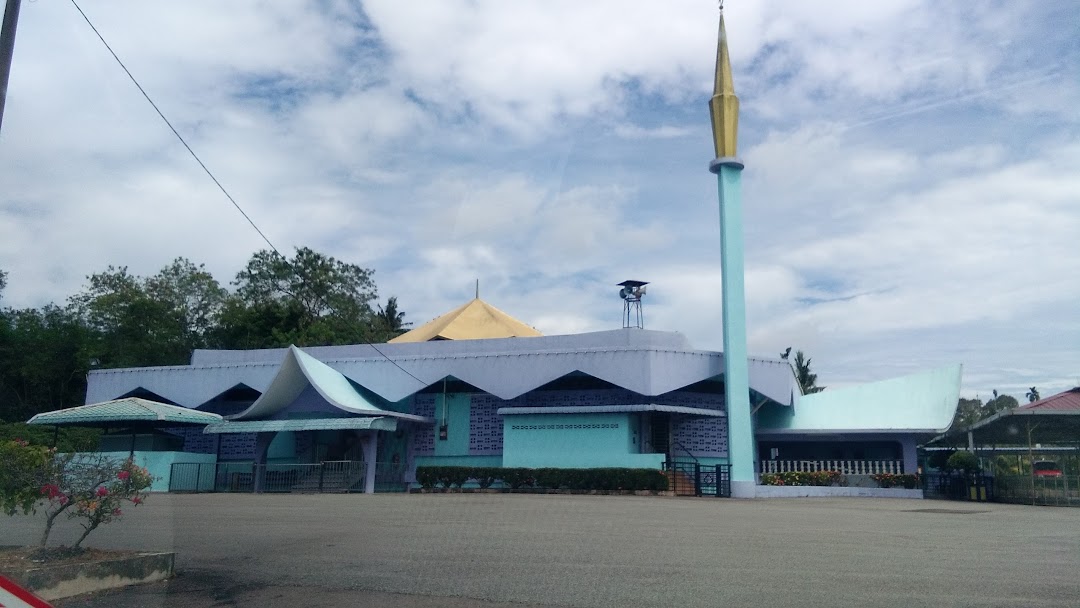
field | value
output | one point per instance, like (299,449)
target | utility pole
(7,48)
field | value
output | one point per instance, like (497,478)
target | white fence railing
(846,467)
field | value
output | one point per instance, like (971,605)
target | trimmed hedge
(552,479)
(907,481)
(816,478)
(963,461)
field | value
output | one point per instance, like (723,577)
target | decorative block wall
(704,436)
(485,425)
(423,434)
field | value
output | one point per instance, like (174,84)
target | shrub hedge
(552,479)
(816,478)
(963,461)
(889,480)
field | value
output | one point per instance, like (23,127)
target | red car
(1047,468)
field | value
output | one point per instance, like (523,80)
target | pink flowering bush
(802,478)
(90,487)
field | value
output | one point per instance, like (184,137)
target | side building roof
(924,402)
(1065,401)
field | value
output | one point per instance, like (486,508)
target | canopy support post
(371,449)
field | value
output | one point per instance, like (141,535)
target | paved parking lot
(591,551)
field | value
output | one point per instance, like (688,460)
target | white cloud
(910,185)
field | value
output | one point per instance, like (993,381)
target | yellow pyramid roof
(475,320)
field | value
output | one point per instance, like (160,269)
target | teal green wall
(159,464)
(459,461)
(457,419)
(558,444)
(282,448)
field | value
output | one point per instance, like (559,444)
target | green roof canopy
(126,413)
(302,424)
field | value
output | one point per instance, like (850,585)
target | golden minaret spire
(724,105)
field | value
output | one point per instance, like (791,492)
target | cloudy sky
(912,183)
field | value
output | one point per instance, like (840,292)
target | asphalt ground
(495,550)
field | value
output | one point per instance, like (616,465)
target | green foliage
(963,461)
(1032,395)
(156,320)
(67,439)
(970,411)
(814,478)
(485,476)
(312,299)
(102,503)
(907,481)
(807,380)
(43,364)
(389,322)
(937,459)
(122,320)
(518,478)
(90,487)
(603,479)
(25,469)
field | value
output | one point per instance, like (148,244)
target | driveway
(591,551)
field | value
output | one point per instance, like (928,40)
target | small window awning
(613,409)
(305,424)
(131,412)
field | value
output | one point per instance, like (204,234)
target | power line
(207,170)
(396,364)
(173,129)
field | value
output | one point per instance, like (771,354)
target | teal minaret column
(724,112)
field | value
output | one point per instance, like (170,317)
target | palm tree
(1033,395)
(807,380)
(389,321)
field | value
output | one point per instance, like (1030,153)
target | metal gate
(977,488)
(696,479)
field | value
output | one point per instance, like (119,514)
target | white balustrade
(846,467)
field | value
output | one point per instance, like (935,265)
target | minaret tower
(724,112)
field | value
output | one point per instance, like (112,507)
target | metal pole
(7,48)
(1031,461)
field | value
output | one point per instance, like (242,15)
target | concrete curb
(833,491)
(56,582)
(541,491)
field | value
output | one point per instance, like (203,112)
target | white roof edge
(611,409)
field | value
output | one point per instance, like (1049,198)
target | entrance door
(660,433)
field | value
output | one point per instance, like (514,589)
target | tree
(807,380)
(91,487)
(3,282)
(963,461)
(389,322)
(25,469)
(312,299)
(193,295)
(1032,395)
(158,320)
(43,361)
(968,411)
(999,403)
